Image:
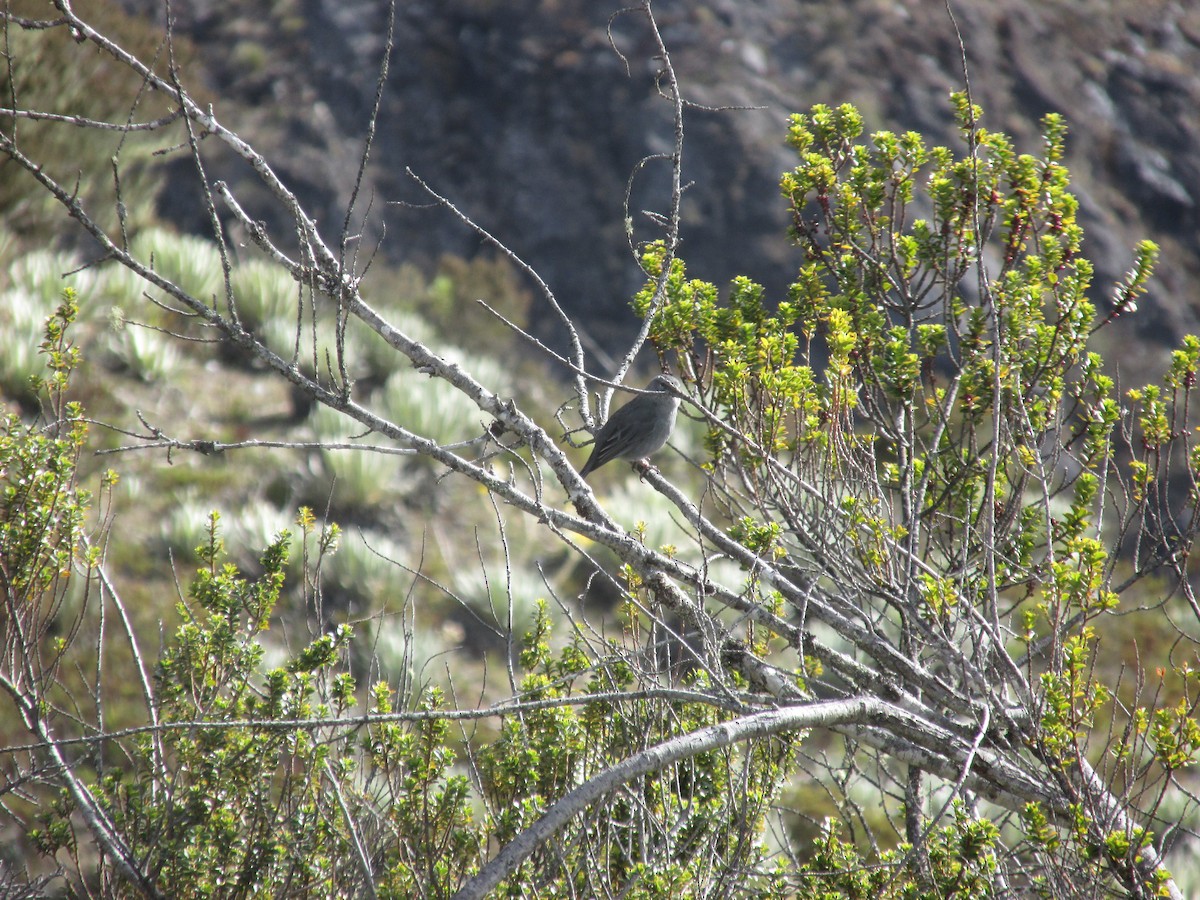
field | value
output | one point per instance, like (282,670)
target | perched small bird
(638,428)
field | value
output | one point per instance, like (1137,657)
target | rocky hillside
(524,115)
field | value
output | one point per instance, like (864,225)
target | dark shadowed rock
(523,114)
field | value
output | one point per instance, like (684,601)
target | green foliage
(961,859)
(926,400)
(263,779)
(244,792)
(250,808)
(42,508)
(693,829)
(879,299)
(436,841)
(259,783)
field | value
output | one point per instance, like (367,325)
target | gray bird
(638,428)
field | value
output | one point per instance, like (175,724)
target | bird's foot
(644,467)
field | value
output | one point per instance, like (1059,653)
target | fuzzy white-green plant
(259,523)
(409,652)
(32,287)
(396,629)
(22,321)
(428,407)
(147,354)
(120,288)
(185,525)
(263,292)
(376,354)
(44,273)
(434,408)
(499,597)
(365,566)
(358,478)
(193,263)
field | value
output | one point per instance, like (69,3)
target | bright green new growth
(42,509)
(265,781)
(930,376)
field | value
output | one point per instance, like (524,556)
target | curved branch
(659,757)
